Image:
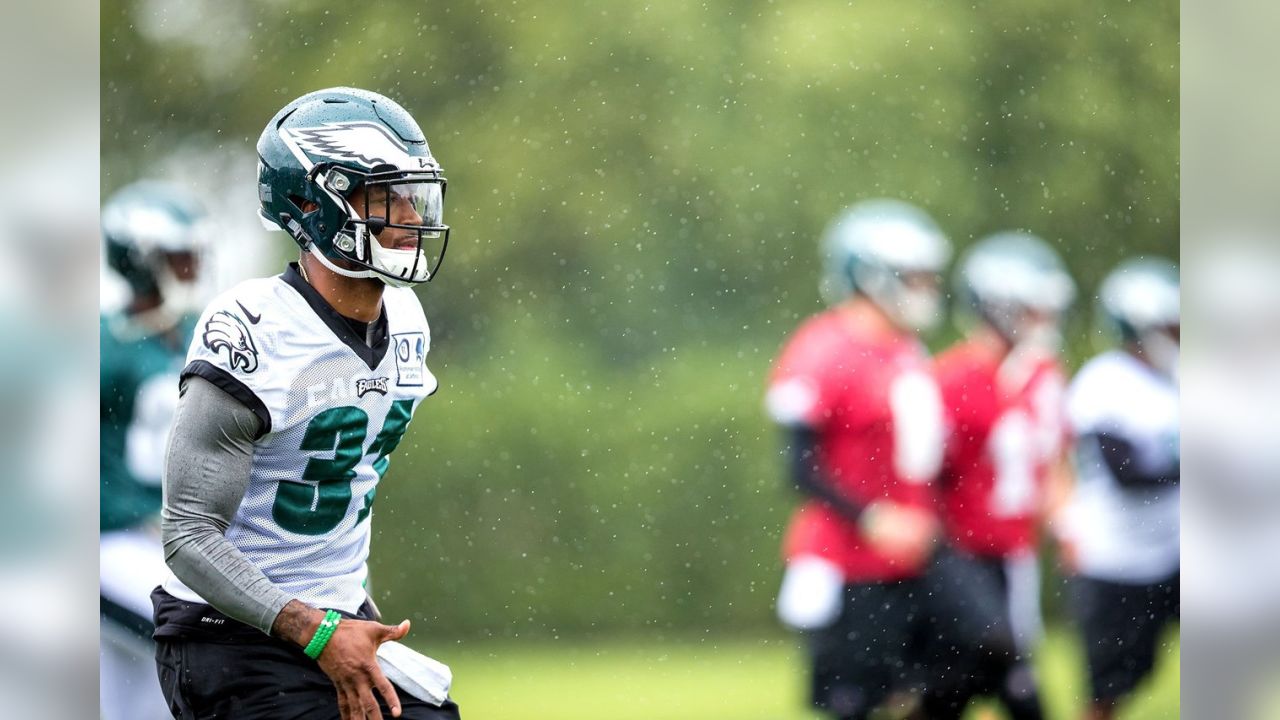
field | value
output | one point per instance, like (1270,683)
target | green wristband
(323,633)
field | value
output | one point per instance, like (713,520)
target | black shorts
(1122,625)
(862,657)
(229,671)
(968,624)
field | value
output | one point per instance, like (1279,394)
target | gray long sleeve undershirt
(206,474)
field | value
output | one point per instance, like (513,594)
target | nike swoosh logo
(252,318)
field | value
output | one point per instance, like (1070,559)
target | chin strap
(385,277)
(324,260)
(367,273)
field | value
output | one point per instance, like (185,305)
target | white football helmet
(1016,283)
(1141,301)
(155,235)
(880,249)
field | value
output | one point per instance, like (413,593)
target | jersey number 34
(319,505)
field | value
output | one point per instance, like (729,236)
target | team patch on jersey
(368,385)
(411,352)
(225,330)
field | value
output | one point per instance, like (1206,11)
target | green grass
(713,678)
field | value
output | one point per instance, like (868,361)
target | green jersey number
(318,506)
(386,441)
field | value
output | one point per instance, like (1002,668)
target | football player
(1003,393)
(153,235)
(1120,530)
(296,391)
(863,421)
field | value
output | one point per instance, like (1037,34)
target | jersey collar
(371,354)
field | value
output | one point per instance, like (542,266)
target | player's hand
(1068,555)
(350,661)
(900,532)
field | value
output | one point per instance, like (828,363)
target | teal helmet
(154,235)
(874,247)
(341,170)
(1014,281)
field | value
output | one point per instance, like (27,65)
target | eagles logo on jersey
(226,331)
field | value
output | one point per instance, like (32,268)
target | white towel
(415,673)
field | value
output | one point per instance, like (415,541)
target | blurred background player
(1120,532)
(152,235)
(863,423)
(1003,393)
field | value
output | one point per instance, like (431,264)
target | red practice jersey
(878,416)
(1007,429)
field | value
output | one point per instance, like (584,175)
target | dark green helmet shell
(319,149)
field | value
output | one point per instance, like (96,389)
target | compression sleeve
(806,476)
(206,473)
(1123,461)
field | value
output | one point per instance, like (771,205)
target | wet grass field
(736,679)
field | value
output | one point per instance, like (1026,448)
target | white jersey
(333,408)
(1124,535)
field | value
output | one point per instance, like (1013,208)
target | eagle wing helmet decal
(226,330)
(364,143)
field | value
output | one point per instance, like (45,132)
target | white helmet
(145,226)
(1141,301)
(873,247)
(1008,279)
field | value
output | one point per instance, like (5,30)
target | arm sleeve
(806,476)
(1123,461)
(206,473)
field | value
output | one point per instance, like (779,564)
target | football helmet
(1141,302)
(340,169)
(155,234)
(892,253)
(1016,283)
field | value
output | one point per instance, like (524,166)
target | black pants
(268,679)
(1122,626)
(969,648)
(862,657)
